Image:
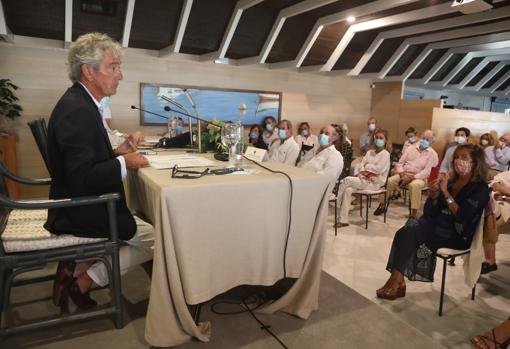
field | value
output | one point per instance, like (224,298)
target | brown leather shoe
(63,279)
(82,301)
(393,293)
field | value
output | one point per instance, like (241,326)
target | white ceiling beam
(507,91)
(449,44)
(241,6)
(68,35)
(181,28)
(446,35)
(500,44)
(427,27)
(466,59)
(479,67)
(487,77)
(294,10)
(359,11)
(410,16)
(500,82)
(127,23)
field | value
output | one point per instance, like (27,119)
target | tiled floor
(357,257)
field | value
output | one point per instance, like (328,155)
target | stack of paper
(161,161)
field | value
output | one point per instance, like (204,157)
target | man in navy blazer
(82,163)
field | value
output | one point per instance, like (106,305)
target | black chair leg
(366,212)
(117,295)
(443,279)
(361,205)
(336,215)
(196,313)
(386,208)
(473,293)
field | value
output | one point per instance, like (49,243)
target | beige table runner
(218,232)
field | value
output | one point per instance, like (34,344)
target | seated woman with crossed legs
(374,169)
(451,214)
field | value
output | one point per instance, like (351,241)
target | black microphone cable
(290,212)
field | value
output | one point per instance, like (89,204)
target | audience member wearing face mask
(373,171)
(498,155)
(344,147)
(451,215)
(461,136)
(308,143)
(327,160)
(255,137)
(365,141)
(284,149)
(270,131)
(411,138)
(411,171)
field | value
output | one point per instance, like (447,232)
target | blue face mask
(254,135)
(379,143)
(323,139)
(179,130)
(424,143)
(282,134)
(304,133)
(269,127)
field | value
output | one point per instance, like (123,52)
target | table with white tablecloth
(221,231)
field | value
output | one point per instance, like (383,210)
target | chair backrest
(40,133)
(474,259)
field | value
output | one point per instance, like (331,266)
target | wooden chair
(26,246)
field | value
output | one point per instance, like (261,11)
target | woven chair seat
(25,232)
(450,251)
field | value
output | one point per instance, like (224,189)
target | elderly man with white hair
(412,172)
(284,149)
(327,160)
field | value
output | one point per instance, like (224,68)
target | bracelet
(449,200)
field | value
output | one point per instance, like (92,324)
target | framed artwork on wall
(211,103)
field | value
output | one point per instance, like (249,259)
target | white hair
(89,49)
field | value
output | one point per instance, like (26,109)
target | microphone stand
(199,126)
(167,108)
(181,107)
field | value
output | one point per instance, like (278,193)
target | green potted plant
(8,106)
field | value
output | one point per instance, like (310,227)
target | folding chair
(369,194)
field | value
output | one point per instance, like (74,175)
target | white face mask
(371,127)
(484,142)
(460,139)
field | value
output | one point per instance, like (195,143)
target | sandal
(483,342)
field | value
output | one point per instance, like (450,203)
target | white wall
(37,66)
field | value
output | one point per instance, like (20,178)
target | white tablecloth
(218,232)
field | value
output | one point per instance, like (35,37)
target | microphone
(161,116)
(170,100)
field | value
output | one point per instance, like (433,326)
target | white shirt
(447,160)
(123,170)
(286,152)
(268,139)
(328,162)
(311,140)
(503,177)
(378,163)
(497,158)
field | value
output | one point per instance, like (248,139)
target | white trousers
(344,196)
(139,249)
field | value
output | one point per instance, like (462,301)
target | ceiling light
(351,19)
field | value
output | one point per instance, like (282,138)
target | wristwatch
(449,200)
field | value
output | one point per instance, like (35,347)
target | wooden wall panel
(446,121)
(386,98)
(38,67)
(416,113)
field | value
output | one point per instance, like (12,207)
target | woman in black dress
(451,214)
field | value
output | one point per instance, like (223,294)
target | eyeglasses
(186,174)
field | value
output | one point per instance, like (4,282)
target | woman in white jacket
(373,172)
